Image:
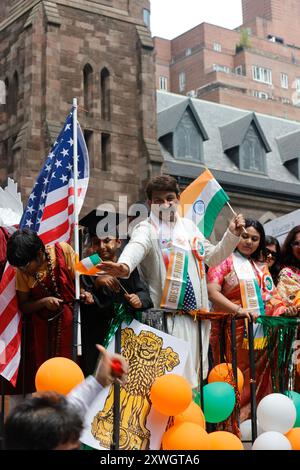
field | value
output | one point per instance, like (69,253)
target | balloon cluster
(171,395)
(278,416)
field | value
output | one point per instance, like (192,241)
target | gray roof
(233,134)
(168,121)
(278,180)
(289,146)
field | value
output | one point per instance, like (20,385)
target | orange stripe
(166,288)
(243,294)
(191,193)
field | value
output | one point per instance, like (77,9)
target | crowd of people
(166,264)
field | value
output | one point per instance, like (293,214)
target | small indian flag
(88,265)
(202,201)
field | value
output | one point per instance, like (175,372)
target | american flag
(50,213)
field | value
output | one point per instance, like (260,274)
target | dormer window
(245,144)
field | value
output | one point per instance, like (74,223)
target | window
(7,100)
(88,87)
(260,74)
(284,80)
(221,68)
(252,152)
(105,152)
(188,142)
(105,94)
(182,81)
(146,17)
(2,92)
(260,94)
(217,47)
(188,51)
(294,167)
(88,137)
(163,83)
(239,70)
(15,94)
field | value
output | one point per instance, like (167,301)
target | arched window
(105,94)
(88,87)
(252,152)
(14,93)
(6,102)
(188,142)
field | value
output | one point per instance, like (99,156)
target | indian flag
(202,201)
(88,265)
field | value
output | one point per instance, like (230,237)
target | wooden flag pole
(234,213)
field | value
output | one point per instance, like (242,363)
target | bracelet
(237,311)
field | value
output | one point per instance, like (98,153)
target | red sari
(43,339)
(225,276)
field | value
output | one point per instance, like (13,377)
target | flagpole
(234,213)
(76,330)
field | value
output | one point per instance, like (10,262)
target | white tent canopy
(11,207)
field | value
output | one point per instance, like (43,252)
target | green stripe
(259,296)
(212,211)
(185,270)
(95,259)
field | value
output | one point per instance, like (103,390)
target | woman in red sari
(46,291)
(225,284)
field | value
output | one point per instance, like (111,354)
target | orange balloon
(193,414)
(58,374)
(294,437)
(224,373)
(171,394)
(223,440)
(186,436)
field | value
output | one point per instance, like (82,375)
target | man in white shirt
(170,252)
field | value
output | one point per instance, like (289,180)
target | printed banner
(151,354)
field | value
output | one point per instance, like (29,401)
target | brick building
(255,157)
(98,51)
(255,67)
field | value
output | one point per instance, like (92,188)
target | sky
(170,18)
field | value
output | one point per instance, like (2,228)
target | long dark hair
(261,249)
(275,269)
(288,258)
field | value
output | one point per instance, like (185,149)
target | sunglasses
(295,244)
(270,253)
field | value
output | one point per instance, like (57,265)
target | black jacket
(96,318)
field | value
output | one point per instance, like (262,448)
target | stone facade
(217,64)
(100,52)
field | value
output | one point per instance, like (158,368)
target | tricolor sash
(251,295)
(175,251)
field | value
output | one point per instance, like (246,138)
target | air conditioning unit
(192,94)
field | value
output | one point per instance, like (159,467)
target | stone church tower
(98,51)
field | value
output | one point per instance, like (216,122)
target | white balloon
(271,440)
(246,430)
(276,412)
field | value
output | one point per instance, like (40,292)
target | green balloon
(296,399)
(219,401)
